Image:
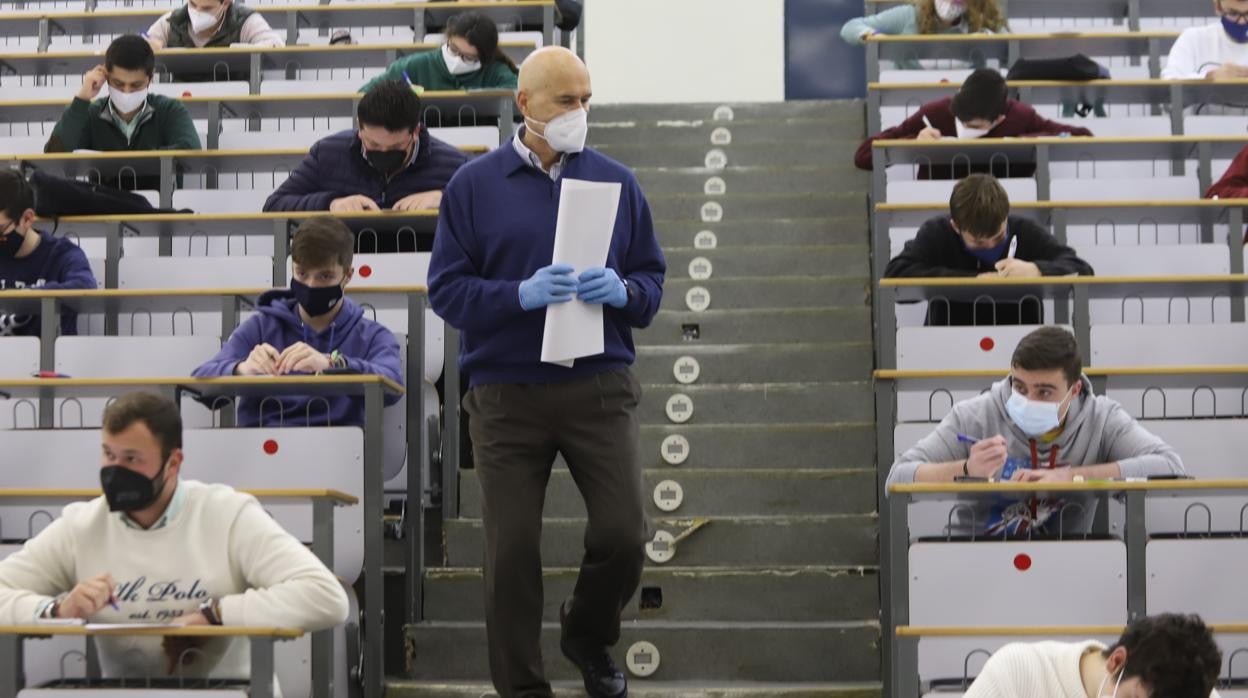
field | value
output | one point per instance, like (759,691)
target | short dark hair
(16,195)
(1047,348)
(390,104)
(982,96)
(482,33)
(322,241)
(1173,655)
(979,205)
(159,414)
(130,52)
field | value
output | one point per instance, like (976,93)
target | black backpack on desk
(57,196)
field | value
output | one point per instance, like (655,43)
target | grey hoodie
(1097,430)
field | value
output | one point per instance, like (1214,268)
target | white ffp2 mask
(126,102)
(456,65)
(202,21)
(567,132)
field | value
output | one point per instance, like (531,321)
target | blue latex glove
(552,284)
(602,285)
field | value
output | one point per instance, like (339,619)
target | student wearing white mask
(212,23)
(1043,422)
(929,17)
(471,59)
(130,117)
(1217,51)
(1155,657)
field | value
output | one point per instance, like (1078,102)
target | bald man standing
(491,277)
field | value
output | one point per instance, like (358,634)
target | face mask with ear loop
(1101,691)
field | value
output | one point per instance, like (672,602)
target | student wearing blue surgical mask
(212,23)
(1044,421)
(979,238)
(1155,657)
(470,59)
(1216,51)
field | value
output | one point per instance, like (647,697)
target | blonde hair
(981,15)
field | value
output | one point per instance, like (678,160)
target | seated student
(212,23)
(129,118)
(392,162)
(159,549)
(469,60)
(929,17)
(981,108)
(31,258)
(1217,51)
(976,239)
(1161,655)
(1041,423)
(310,328)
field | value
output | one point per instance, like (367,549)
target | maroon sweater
(1020,121)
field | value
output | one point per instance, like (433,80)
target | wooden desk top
(896,374)
(1051,140)
(1108,203)
(36,630)
(224,382)
(998,38)
(1039,631)
(312,9)
(1014,488)
(337,497)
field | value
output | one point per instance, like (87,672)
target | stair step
(741,293)
(648,689)
(728,492)
(752,231)
(743,326)
(779,260)
(781,446)
(688,651)
(812,152)
(757,111)
(707,132)
(795,205)
(832,539)
(760,403)
(752,180)
(755,363)
(687,594)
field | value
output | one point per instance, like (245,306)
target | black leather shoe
(602,679)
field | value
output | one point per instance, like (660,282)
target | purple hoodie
(369,347)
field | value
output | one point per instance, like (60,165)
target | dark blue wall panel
(818,65)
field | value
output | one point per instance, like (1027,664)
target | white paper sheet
(582,239)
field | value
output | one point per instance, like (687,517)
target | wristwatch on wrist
(211,610)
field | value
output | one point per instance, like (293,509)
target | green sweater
(428,70)
(165,125)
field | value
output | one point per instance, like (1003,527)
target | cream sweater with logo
(220,544)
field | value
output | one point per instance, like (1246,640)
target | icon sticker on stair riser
(706,240)
(698,299)
(669,495)
(662,548)
(723,113)
(715,186)
(721,136)
(712,212)
(686,370)
(716,159)
(642,659)
(700,268)
(679,408)
(674,449)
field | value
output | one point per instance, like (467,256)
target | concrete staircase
(774,591)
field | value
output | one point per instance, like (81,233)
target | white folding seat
(22,144)
(311,86)
(212,201)
(464,136)
(247,140)
(929,190)
(534,38)
(953,76)
(222,88)
(32,92)
(1201,125)
(19,358)
(1153,260)
(1140,188)
(188,272)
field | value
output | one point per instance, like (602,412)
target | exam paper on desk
(587,213)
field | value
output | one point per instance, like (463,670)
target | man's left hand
(1063,474)
(602,285)
(300,357)
(177,649)
(1011,267)
(423,201)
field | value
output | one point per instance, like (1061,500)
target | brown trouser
(517,429)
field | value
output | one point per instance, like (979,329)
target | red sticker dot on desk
(366,271)
(1022,562)
(186,94)
(270,447)
(987,344)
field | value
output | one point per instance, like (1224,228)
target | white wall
(685,50)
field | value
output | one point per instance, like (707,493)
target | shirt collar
(530,158)
(175,506)
(109,113)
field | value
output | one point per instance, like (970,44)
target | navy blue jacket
(56,264)
(497,227)
(335,167)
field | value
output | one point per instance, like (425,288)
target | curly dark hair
(1173,655)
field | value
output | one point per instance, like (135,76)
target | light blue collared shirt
(530,157)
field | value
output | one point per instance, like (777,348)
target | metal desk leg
(884,409)
(374,588)
(1136,534)
(49,328)
(12,678)
(450,426)
(1083,323)
(1234,238)
(262,667)
(548,25)
(908,656)
(281,250)
(506,116)
(904,674)
(418,477)
(166,198)
(323,641)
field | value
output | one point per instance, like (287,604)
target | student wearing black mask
(980,238)
(391,162)
(310,328)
